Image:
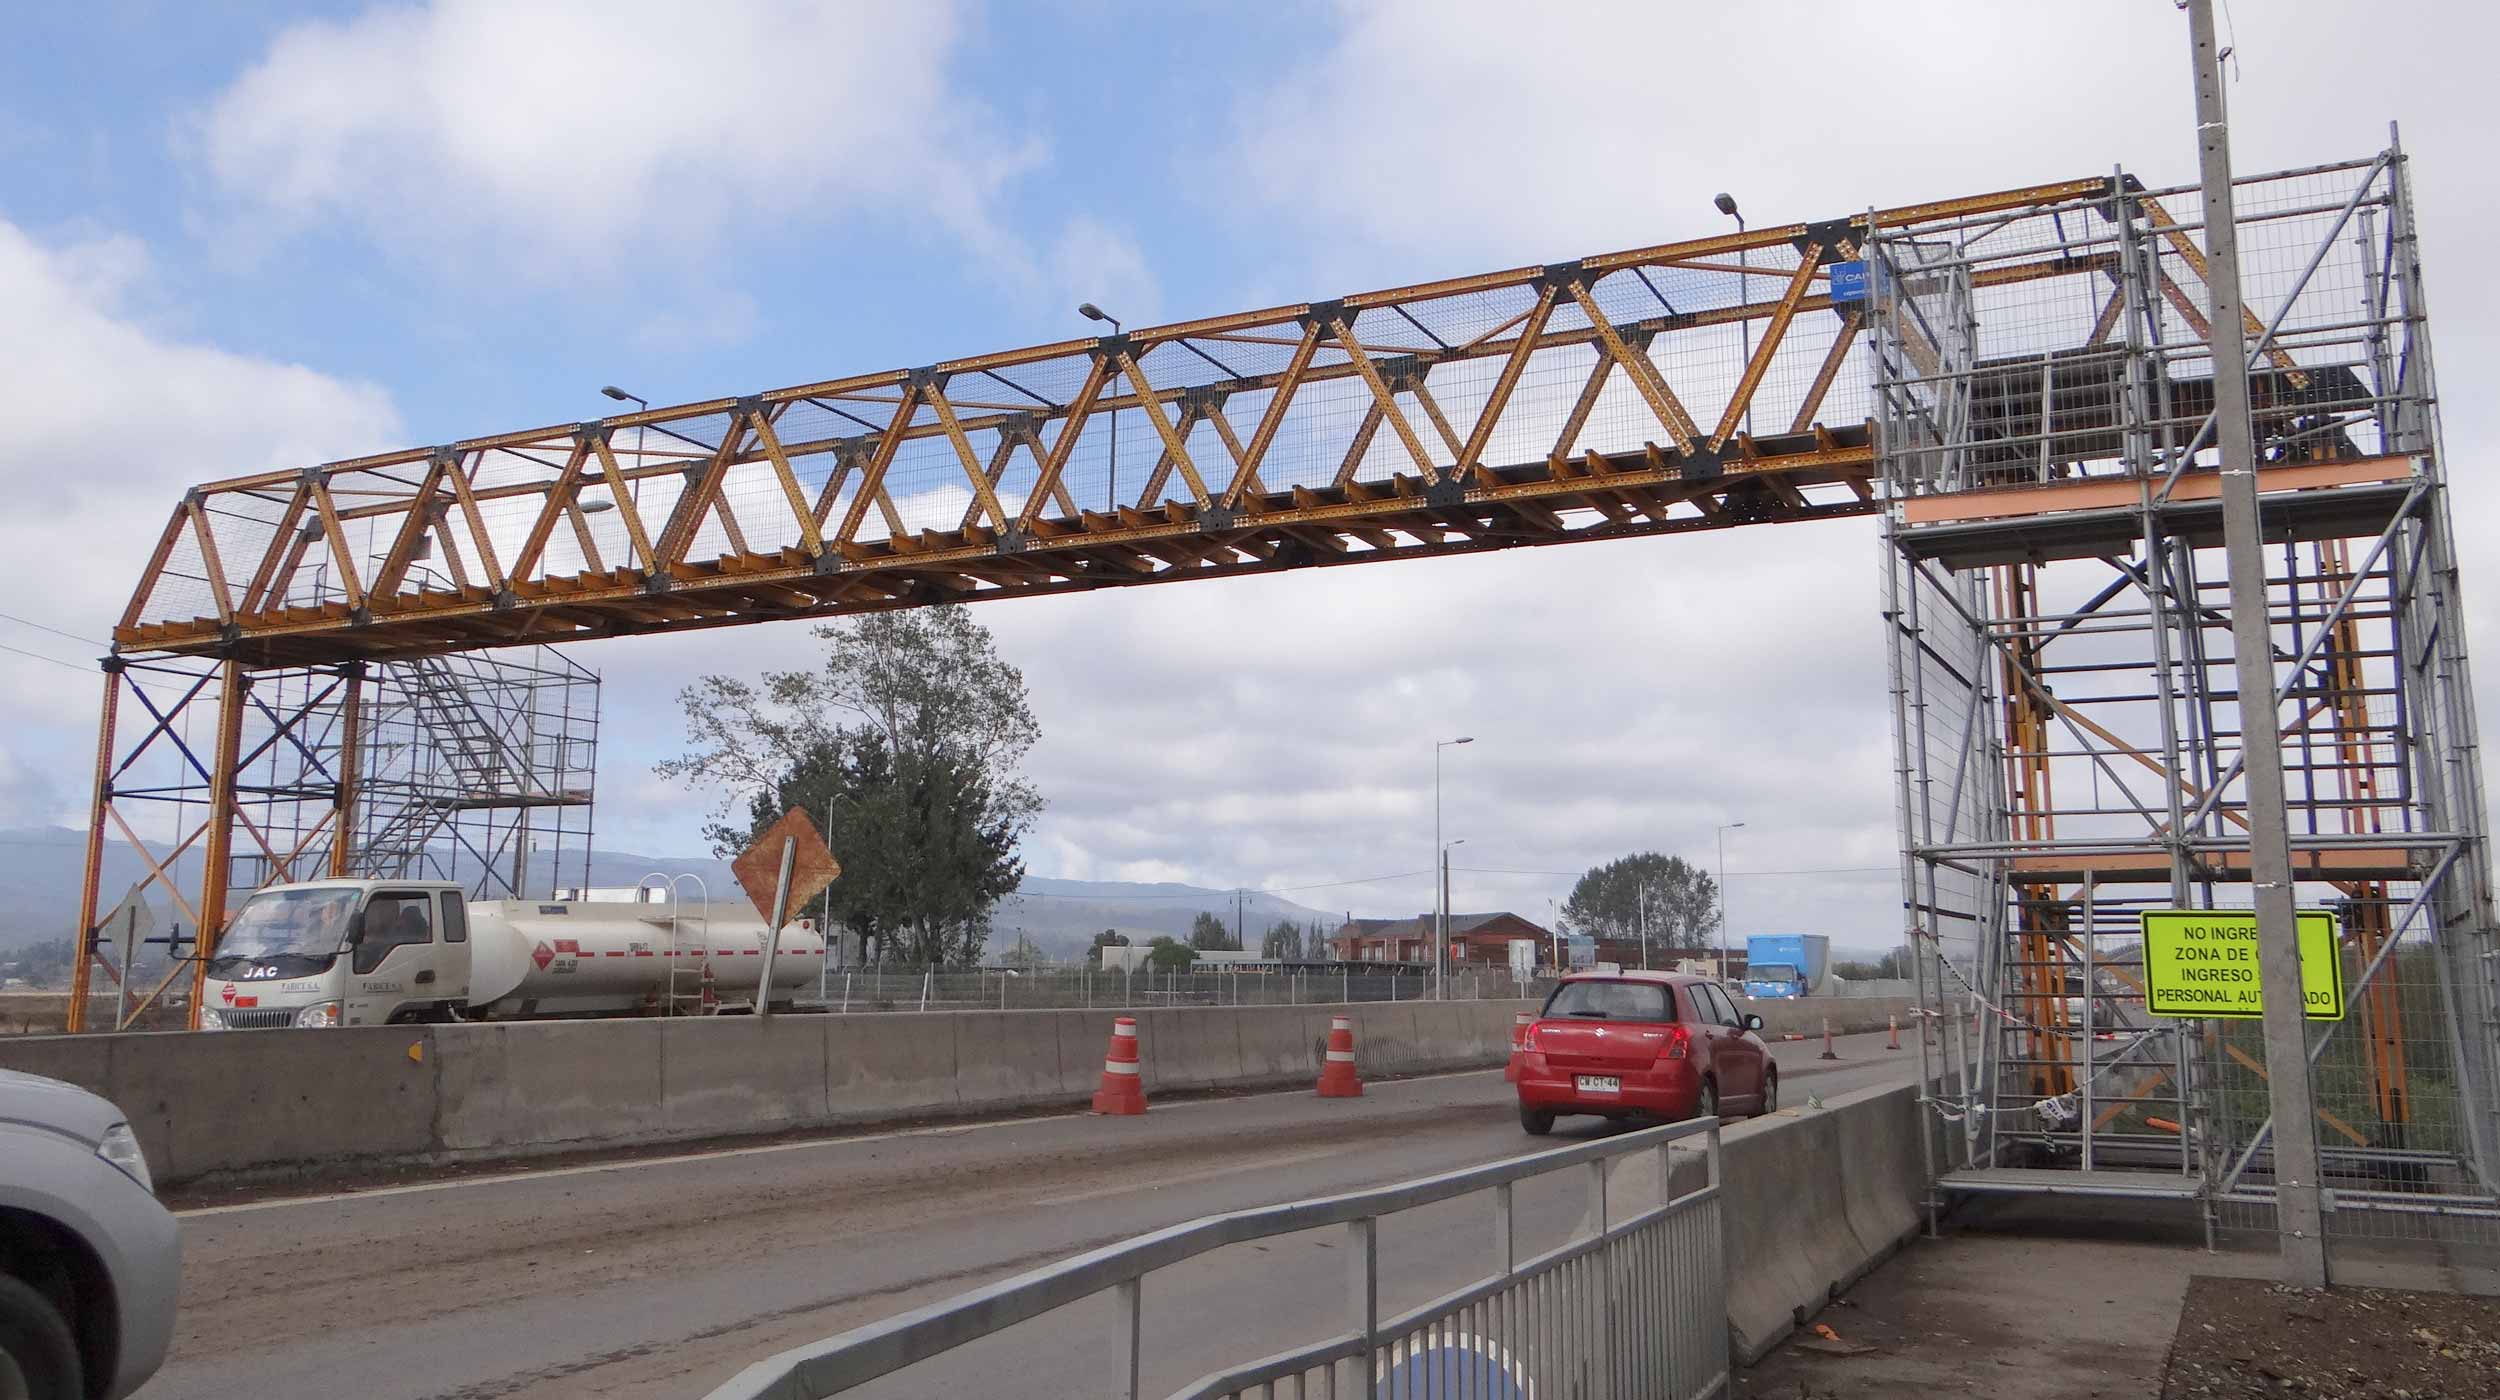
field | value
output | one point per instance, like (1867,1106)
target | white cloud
(110,418)
(700,323)
(1108,268)
(569,134)
(1277,731)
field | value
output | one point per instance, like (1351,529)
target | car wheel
(1538,1121)
(1706,1103)
(1770,1094)
(38,1356)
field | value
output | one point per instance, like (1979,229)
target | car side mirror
(1752,1022)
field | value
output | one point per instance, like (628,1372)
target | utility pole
(1640,894)
(2298,1213)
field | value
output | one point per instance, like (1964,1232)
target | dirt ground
(2246,1337)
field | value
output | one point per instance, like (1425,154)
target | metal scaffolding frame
(477,769)
(2068,728)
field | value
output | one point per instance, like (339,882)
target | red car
(1647,1044)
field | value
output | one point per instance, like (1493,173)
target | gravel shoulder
(2247,1337)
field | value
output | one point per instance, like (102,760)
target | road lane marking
(758,1150)
(1131,1188)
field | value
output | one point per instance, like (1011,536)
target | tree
(1023,953)
(1167,954)
(904,747)
(1208,934)
(1283,942)
(1679,898)
(1110,938)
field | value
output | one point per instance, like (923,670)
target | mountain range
(40,870)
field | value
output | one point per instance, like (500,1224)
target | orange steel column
(2038,995)
(109,713)
(2368,922)
(232,682)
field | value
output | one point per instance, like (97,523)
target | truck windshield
(1772,972)
(293,924)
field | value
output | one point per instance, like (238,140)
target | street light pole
(1640,899)
(1726,204)
(1441,895)
(644,404)
(2298,1207)
(1111,491)
(1724,958)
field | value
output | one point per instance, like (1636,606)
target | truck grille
(260,1020)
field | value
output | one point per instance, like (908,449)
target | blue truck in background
(1787,965)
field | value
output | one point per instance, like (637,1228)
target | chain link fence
(892,988)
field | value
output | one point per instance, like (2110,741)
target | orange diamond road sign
(758,868)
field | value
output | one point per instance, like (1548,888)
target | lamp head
(1726,203)
(1091,312)
(615,393)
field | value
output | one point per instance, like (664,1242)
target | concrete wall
(243,1104)
(1848,1015)
(1811,1201)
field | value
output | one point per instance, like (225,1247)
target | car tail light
(1678,1044)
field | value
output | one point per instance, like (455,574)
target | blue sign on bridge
(1850,281)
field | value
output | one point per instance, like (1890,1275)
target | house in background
(1476,940)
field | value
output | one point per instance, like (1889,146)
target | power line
(1201,898)
(39,656)
(55,631)
(1826,870)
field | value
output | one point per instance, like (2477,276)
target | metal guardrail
(1636,1308)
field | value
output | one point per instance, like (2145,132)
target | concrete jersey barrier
(1812,1200)
(249,1104)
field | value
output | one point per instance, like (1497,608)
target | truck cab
(340,953)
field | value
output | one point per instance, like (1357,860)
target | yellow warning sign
(2203,962)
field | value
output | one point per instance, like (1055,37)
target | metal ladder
(483,756)
(683,987)
(482,759)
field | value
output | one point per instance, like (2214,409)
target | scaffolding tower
(2069,732)
(476,768)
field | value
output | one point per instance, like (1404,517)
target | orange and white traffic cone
(1337,1079)
(1893,1024)
(1828,1053)
(1518,1041)
(1122,1091)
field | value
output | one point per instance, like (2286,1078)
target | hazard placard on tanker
(2203,962)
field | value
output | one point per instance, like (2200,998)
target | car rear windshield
(1610,1001)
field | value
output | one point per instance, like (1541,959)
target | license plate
(1600,1084)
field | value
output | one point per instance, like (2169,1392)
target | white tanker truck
(379,952)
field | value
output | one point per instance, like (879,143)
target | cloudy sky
(263,235)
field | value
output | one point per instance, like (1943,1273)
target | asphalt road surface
(662,1277)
